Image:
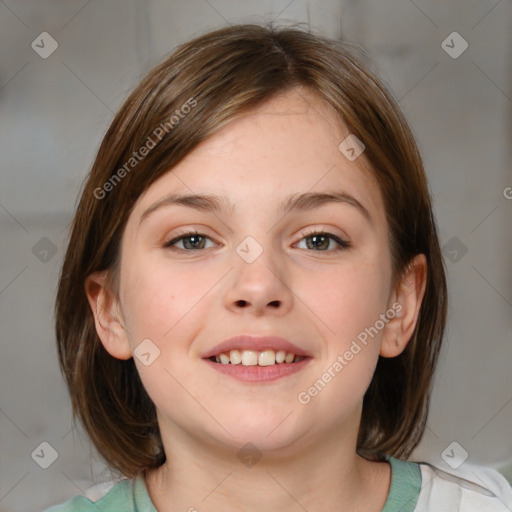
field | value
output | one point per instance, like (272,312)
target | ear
(109,324)
(405,302)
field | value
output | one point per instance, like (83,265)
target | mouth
(254,373)
(257,359)
(267,357)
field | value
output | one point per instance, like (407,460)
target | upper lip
(256,343)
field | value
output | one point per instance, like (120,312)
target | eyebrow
(220,204)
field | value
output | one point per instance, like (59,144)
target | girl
(253,299)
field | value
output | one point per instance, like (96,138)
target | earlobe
(408,295)
(108,321)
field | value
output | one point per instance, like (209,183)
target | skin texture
(187,301)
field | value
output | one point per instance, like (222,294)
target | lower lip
(258,373)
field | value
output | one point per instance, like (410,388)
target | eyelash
(343,244)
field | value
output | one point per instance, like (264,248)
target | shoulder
(125,495)
(470,488)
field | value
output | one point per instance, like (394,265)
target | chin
(266,431)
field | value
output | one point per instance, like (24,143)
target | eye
(191,241)
(321,240)
(317,240)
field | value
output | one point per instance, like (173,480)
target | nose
(260,287)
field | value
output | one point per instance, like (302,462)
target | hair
(223,75)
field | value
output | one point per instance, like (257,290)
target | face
(316,274)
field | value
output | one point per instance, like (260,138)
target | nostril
(243,303)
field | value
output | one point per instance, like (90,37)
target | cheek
(156,297)
(347,311)
(350,299)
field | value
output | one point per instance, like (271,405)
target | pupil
(190,241)
(315,239)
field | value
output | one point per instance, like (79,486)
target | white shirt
(470,488)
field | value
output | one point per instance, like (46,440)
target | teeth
(267,358)
(280,356)
(235,357)
(249,358)
(257,358)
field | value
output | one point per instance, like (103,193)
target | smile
(256,358)
(257,366)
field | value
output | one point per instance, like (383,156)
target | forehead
(287,145)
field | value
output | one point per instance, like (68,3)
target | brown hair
(223,75)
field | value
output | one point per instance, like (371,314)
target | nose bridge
(258,243)
(259,277)
(257,261)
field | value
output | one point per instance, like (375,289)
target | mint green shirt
(405,486)
(132,495)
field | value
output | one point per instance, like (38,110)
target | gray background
(54,112)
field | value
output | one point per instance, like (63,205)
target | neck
(327,476)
